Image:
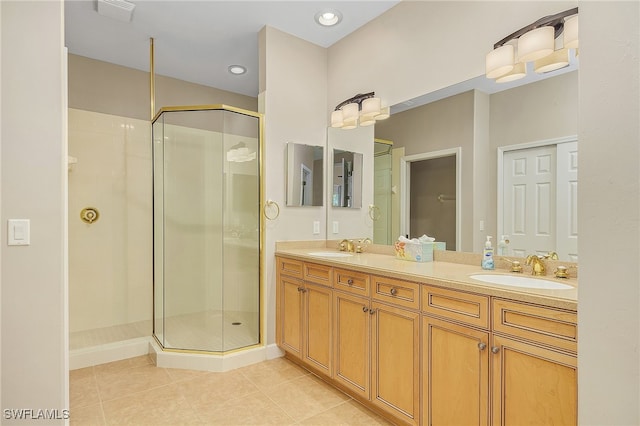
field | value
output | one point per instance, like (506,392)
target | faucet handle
(561,272)
(515,265)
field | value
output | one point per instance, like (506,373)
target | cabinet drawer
(319,274)
(398,292)
(290,267)
(351,281)
(549,326)
(468,308)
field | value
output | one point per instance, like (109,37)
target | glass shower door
(206,263)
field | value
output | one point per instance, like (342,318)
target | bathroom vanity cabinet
(305,318)
(376,345)
(423,354)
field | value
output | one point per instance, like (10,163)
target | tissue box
(418,252)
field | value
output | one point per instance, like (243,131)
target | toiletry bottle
(487,255)
(503,246)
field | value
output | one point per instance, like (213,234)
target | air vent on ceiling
(117,9)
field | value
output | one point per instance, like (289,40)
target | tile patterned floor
(274,392)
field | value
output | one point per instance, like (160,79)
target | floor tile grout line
(136,392)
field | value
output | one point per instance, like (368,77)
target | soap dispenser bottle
(487,255)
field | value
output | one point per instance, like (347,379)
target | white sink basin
(330,254)
(524,282)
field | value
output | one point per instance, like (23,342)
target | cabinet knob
(495,349)
(372,311)
(365,309)
(300,289)
(350,281)
(482,346)
(393,291)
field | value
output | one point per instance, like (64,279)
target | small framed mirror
(346,190)
(305,171)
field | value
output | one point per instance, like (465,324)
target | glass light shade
(350,112)
(370,107)
(571,32)
(499,61)
(558,59)
(350,124)
(536,44)
(519,70)
(384,113)
(367,120)
(336,119)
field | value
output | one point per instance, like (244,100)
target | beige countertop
(441,273)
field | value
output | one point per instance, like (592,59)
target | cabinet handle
(300,289)
(495,349)
(393,291)
(365,309)
(372,311)
(350,281)
(482,346)
(304,290)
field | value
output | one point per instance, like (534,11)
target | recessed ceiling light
(328,17)
(237,69)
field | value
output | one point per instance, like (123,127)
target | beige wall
(113,89)
(34,349)
(609,206)
(293,98)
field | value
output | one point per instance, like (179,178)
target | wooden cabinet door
(351,342)
(318,309)
(395,359)
(455,374)
(532,385)
(289,312)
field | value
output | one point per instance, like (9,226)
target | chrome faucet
(538,267)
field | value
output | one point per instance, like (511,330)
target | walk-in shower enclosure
(207,228)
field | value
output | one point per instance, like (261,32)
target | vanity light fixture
(237,69)
(363,109)
(328,17)
(534,43)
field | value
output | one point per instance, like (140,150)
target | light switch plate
(316,227)
(18,232)
(335,227)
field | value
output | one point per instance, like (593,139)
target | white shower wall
(110,261)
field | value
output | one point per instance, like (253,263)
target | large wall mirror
(492,129)
(305,175)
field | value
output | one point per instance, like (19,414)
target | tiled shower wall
(110,260)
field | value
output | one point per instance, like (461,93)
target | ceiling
(196,41)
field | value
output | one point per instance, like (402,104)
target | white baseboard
(101,354)
(208,362)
